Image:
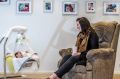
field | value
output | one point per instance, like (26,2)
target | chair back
(108,33)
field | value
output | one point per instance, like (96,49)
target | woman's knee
(74,58)
(66,57)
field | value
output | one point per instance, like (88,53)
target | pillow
(105,31)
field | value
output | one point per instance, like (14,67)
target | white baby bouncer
(29,59)
(29,56)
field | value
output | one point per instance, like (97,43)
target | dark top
(93,43)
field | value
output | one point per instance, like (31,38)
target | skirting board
(116,76)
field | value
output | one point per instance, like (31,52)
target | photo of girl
(48,6)
(3,0)
(69,7)
(111,7)
(90,6)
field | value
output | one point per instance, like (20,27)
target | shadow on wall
(60,39)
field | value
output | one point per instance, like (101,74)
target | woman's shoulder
(93,33)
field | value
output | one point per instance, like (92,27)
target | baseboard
(116,76)
(46,74)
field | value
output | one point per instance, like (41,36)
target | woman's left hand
(75,54)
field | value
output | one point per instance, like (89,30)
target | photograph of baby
(48,7)
(3,0)
(111,8)
(90,6)
(69,8)
(24,7)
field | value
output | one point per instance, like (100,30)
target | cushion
(105,31)
(78,69)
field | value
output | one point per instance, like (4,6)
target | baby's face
(19,55)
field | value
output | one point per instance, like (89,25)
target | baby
(18,54)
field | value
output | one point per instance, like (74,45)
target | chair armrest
(64,52)
(99,53)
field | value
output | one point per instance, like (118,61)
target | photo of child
(111,8)
(24,7)
(69,7)
(90,6)
(3,0)
(48,6)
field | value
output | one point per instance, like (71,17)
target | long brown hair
(85,24)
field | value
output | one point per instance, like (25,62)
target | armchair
(101,61)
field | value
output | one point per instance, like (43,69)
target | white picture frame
(4,2)
(69,8)
(47,6)
(90,6)
(24,7)
(111,8)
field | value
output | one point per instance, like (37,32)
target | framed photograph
(69,8)
(111,7)
(48,6)
(90,6)
(24,6)
(4,2)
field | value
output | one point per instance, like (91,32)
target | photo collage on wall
(68,7)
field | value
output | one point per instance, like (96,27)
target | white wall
(48,31)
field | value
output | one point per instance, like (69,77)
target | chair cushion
(89,66)
(82,62)
(78,69)
(105,31)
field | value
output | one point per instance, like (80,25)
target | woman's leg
(64,59)
(67,65)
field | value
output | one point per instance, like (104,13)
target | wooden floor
(37,76)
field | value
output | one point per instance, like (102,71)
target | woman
(87,39)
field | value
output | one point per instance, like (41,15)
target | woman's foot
(53,76)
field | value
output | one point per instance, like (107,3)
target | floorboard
(36,76)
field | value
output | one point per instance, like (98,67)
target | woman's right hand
(74,51)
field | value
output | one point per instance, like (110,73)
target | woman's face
(78,26)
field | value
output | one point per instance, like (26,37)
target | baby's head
(18,54)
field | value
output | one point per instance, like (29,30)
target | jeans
(68,62)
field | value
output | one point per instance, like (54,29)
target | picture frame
(47,6)
(90,6)
(111,7)
(24,7)
(69,8)
(6,2)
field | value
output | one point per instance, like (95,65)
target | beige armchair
(100,62)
